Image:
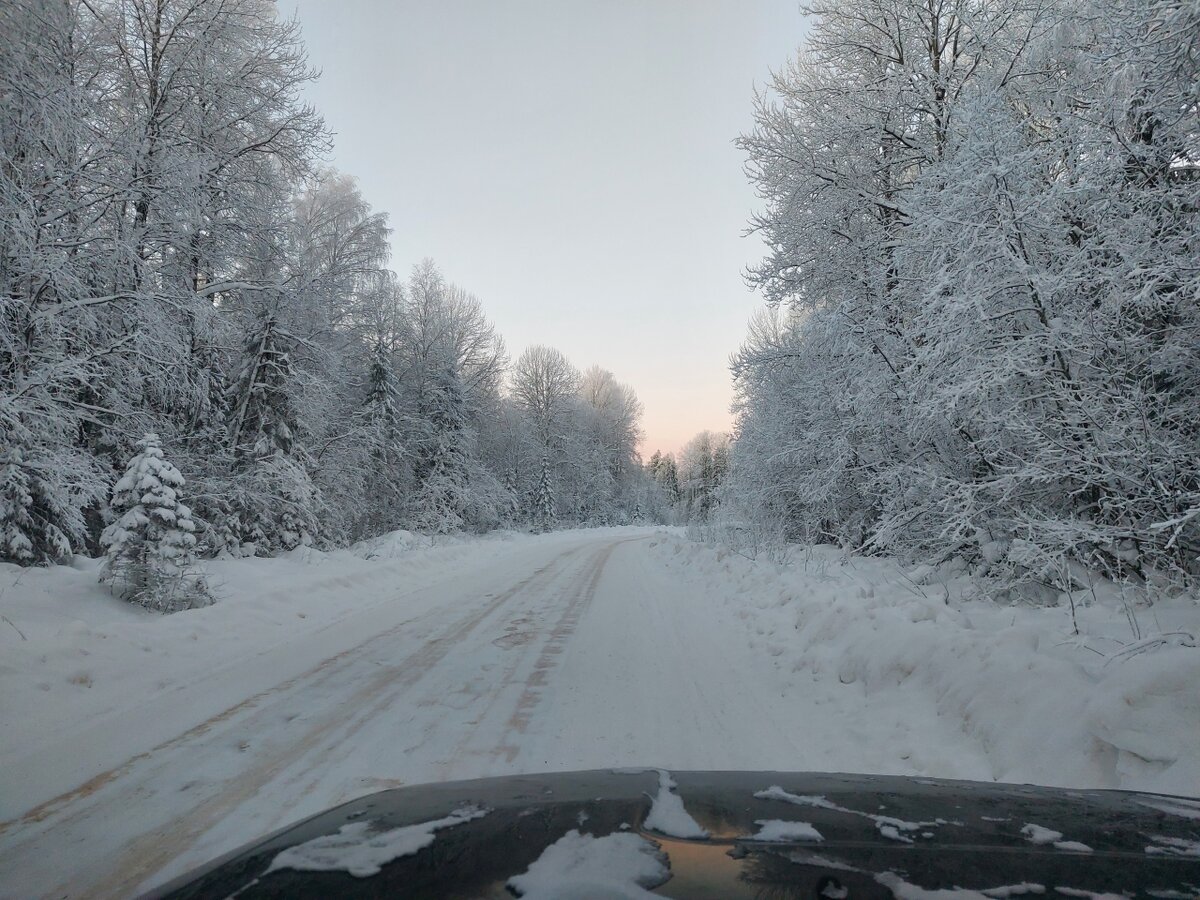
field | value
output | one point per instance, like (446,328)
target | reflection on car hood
(723,835)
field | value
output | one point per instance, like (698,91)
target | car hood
(722,835)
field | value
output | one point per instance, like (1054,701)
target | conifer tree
(15,501)
(149,547)
(380,416)
(383,398)
(264,419)
(543,513)
(276,501)
(28,534)
(441,468)
(512,505)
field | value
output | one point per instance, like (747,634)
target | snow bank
(1106,708)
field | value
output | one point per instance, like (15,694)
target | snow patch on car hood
(358,850)
(584,866)
(667,814)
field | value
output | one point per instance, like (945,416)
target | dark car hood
(881,836)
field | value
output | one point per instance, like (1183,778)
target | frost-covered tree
(545,385)
(149,547)
(387,473)
(511,507)
(544,512)
(16,502)
(263,416)
(979,219)
(587,427)
(174,260)
(440,465)
(275,502)
(703,463)
(28,533)
(658,494)
(611,420)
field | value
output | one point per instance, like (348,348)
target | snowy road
(571,651)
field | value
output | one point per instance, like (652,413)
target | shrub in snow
(149,547)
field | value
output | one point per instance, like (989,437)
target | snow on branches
(982,225)
(149,548)
(174,259)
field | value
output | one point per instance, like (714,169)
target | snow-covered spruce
(150,545)
(544,512)
(27,529)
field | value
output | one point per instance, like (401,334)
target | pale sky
(571,162)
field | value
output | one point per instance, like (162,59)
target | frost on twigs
(995,365)
(149,547)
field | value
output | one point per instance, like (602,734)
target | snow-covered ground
(135,746)
(1115,706)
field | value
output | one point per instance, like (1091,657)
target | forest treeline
(186,290)
(982,342)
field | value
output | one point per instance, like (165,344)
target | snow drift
(1046,705)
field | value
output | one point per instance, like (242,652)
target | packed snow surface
(361,850)
(593,868)
(138,745)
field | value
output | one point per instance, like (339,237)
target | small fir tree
(28,534)
(16,523)
(149,547)
(543,512)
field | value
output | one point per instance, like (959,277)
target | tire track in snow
(552,649)
(117,872)
(342,747)
(502,713)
